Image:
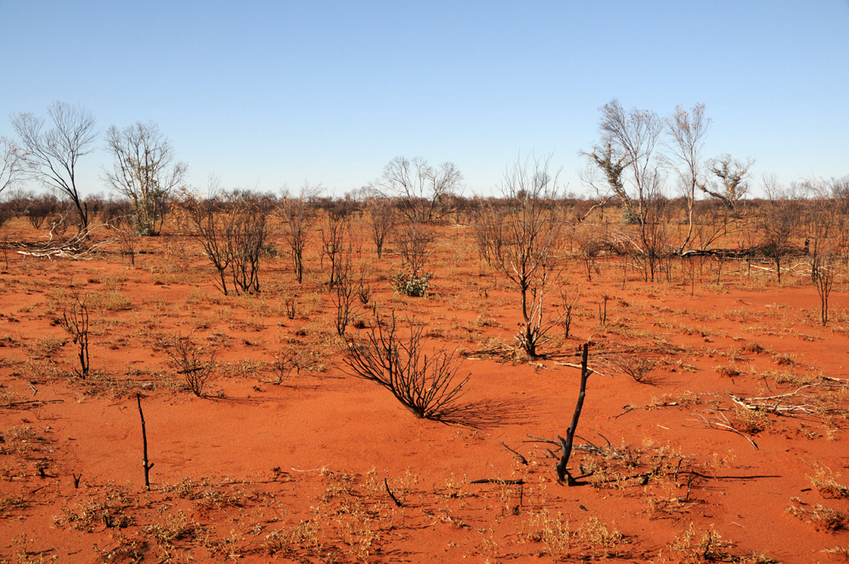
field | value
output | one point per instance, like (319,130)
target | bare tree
(298,219)
(422,188)
(75,321)
(487,225)
(732,176)
(628,143)
(528,235)
(189,361)
(144,171)
(687,131)
(780,220)
(233,230)
(52,155)
(11,163)
(336,241)
(823,273)
(626,159)
(382,220)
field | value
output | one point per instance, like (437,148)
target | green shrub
(410,284)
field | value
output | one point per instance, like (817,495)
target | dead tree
(75,323)
(566,444)
(145,462)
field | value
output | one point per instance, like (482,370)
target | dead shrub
(189,360)
(751,347)
(424,384)
(638,367)
(822,518)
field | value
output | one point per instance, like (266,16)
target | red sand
(295,471)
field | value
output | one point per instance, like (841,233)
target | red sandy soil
(298,471)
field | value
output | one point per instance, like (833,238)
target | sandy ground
(316,465)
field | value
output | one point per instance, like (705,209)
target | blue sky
(266,94)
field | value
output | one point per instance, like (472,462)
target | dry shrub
(751,421)
(838,551)
(751,347)
(638,367)
(554,532)
(424,383)
(784,359)
(693,548)
(727,371)
(825,482)
(174,528)
(188,358)
(822,518)
(302,536)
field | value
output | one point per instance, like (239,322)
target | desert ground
(713,426)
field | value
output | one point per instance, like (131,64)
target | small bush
(188,358)
(752,347)
(410,284)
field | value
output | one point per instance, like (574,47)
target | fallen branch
(499,481)
(725,425)
(522,459)
(392,495)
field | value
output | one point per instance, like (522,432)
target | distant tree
(422,188)
(780,220)
(626,158)
(11,163)
(527,236)
(382,220)
(144,171)
(52,155)
(732,177)
(687,131)
(298,218)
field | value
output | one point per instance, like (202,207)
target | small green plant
(410,284)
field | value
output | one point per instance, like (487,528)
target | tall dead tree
(687,131)
(52,155)
(527,235)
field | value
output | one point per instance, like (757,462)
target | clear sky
(272,93)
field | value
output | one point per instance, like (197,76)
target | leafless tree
(345,295)
(628,143)
(780,220)
(189,361)
(687,132)
(335,242)
(233,232)
(75,321)
(298,218)
(415,243)
(823,272)
(52,155)
(381,220)
(487,225)
(591,241)
(422,188)
(246,241)
(144,171)
(11,163)
(733,183)
(626,158)
(424,383)
(528,234)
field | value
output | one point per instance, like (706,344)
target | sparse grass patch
(825,482)
(822,518)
